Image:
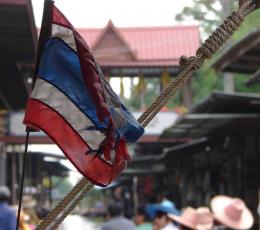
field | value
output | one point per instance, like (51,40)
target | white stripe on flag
(64,34)
(54,98)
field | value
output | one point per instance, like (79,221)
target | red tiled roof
(154,43)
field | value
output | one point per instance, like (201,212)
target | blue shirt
(7,217)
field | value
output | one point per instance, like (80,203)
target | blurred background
(204,142)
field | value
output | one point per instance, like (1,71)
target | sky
(123,13)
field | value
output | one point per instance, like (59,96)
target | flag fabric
(75,106)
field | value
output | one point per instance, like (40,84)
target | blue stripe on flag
(60,66)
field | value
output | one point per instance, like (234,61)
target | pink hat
(200,219)
(232,212)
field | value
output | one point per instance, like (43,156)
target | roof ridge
(140,27)
(159,27)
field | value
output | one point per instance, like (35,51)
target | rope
(189,66)
(63,204)
(74,203)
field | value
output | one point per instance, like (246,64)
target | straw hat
(200,219)
(205,218)
(232,212)
(28,202)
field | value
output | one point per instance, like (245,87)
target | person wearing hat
(231,213)
(7,215)
(159,214)
(142,219)
(198,219)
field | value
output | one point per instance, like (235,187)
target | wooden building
(143,51)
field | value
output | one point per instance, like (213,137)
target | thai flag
(75,106)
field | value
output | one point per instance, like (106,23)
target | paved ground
(76,222)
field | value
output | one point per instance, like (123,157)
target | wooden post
(229,85)
(258,207)
(2,165)
(186,94)
(14,178)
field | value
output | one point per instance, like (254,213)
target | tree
(207,12)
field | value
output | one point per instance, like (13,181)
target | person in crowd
(29,207)
(231,213)
(7,214)
(197,219)
(163,222)
(159,214)
(116,219)
(142,219)
(23,223)
(41,212)
(164,199)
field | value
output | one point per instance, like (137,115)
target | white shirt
(170,226)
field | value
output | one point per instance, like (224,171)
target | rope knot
(192,60)
(185,61)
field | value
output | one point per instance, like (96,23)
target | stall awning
(218,114)
(220,102)
(242,57)
(17,44)
(254,79)
(200,125)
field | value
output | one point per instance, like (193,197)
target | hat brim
(204,227)
(218,204)
(151,209)
(180,220)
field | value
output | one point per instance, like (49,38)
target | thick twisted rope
(63,204)
(189,65)
(74,203)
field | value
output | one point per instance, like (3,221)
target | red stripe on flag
(59,18)
(91,77)
(45,118)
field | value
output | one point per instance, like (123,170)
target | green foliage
(250,24)
(175,101)
(241,87)
(207,12)
(204,82)
(151,92)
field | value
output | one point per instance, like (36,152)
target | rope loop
(247,6)
(221,35)
(185,61)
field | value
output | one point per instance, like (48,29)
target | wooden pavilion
(143,51)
